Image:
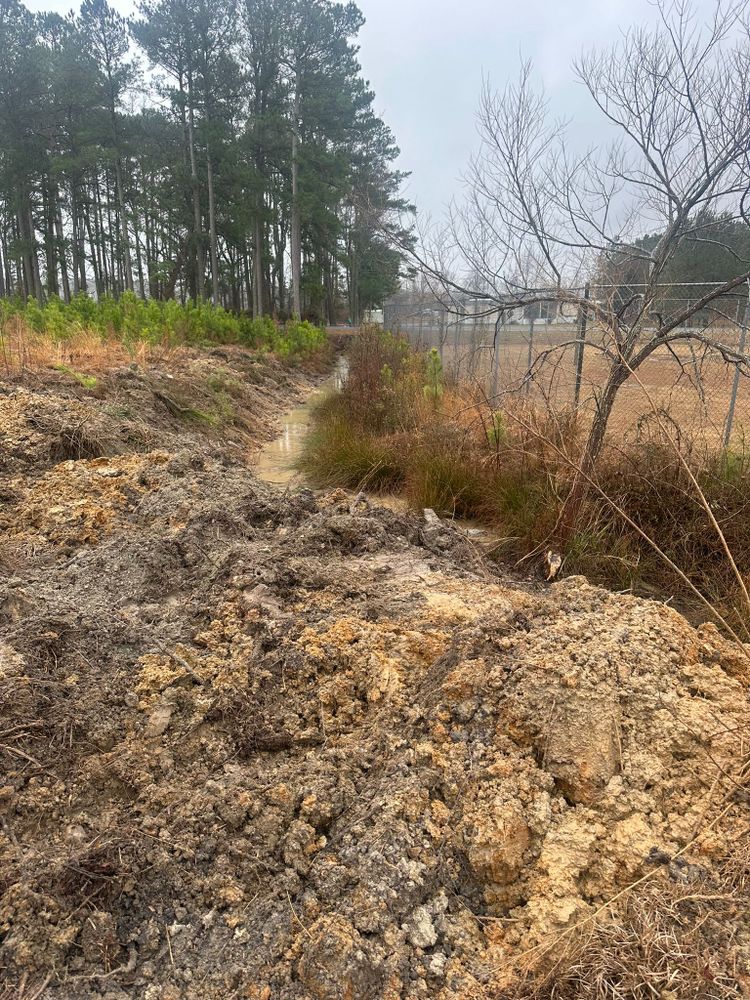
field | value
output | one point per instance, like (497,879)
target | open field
(695,391)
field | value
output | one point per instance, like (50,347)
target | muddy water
(275,463)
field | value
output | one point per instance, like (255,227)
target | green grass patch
(87,381)
(194,415)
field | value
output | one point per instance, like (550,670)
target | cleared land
(694,391)
(259,744)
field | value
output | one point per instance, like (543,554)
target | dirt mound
(265,745)
(49,416)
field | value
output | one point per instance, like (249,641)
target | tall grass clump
(339,453)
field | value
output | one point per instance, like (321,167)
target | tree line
(709,254)
(205,149)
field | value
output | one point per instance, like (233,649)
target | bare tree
(538,220)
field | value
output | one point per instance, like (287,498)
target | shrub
(133,321)
(380,390)
(297,338)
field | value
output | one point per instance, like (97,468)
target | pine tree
(248,161)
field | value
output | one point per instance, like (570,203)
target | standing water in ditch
(276,461)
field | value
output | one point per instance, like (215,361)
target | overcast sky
(425,60)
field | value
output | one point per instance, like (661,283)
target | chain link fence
(558,357)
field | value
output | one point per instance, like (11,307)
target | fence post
(736,380)
(530,358)
(472,366)
(582,319)
(496,356)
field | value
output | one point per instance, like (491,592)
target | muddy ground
(263,744)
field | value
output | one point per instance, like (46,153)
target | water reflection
(276,460)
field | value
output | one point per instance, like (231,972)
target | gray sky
(425,60)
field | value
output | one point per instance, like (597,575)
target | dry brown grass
(674,937)
(693,389)
(659,945)
(23,350)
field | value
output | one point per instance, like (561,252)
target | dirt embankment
(266,745)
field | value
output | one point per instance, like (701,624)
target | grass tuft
(338,454)
(87,381)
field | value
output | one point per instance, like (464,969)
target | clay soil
(265,744)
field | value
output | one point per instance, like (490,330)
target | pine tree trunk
(101,243)
(139,258)
(18,260)
(25,257)
(5,264)
(354,288)
(212,229)
(236,264)
(249,301)
(127,265)
(50,254)
(197,223)
(33,277)
(115,237)
(280,246)
(96,260)
(78,248)
(258,303)
(148,226)
(60,235)
(296,230)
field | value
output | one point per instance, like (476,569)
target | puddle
(275,463)
(276,460)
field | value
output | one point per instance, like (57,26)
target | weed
(87,381)
(497,433)
(433,391)
(77,441)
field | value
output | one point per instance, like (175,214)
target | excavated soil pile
(266,745)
